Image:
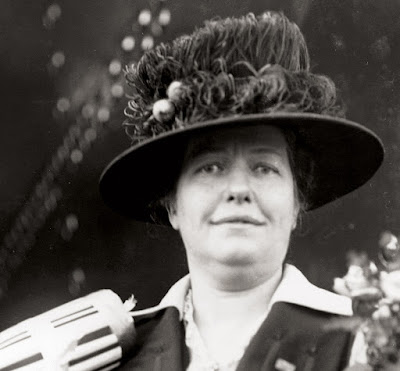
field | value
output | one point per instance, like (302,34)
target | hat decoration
(217,72)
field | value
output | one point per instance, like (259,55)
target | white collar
(294,288)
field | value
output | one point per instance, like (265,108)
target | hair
(302,165)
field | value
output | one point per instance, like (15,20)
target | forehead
(249,137)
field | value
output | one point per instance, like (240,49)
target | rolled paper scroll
(89,333)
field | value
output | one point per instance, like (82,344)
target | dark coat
(291,333)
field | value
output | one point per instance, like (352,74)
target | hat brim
(346,155)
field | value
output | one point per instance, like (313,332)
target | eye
(264,169)
(213,168)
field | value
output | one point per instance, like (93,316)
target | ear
(295,215)
(172,216)
(294,225)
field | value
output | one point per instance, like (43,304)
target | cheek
(194,204)
(279,201)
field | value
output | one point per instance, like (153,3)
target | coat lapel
(159,344)
(296,338)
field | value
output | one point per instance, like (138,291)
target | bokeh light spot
(63,104)
(90,135)
(78,275)
(147,42)
(164,18)
(76,156)
(117,91)
(144,18)
(71,222)
(156,29)
(103,114)
(128,43)
(115,67)
(58,59)
(54,12)
(88,111)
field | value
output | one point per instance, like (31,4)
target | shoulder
(159,335)
(162,321)
(301,335)
(296,289)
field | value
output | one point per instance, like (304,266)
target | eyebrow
(200,150)
(262,150)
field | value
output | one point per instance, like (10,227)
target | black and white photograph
(199,185)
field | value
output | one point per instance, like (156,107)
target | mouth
(245,219)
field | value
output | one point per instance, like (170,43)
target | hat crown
(228,67)
(267,39)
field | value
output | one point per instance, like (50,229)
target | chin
(237,253)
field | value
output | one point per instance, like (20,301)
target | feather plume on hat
(229,67)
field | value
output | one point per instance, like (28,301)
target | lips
(243,219)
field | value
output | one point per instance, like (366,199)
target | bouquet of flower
(375,295)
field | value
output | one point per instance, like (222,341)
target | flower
(355,281)
(383,312)
(366,301)
(376,303)
(389,251)
(390,283)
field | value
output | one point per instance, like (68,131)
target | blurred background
(62,101)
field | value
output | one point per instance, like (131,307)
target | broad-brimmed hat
(234,72)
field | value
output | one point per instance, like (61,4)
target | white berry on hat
(163,110)
(174,90)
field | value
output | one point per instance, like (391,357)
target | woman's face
(235,203)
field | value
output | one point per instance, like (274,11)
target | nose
(238,190)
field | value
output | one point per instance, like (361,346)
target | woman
(234,138)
